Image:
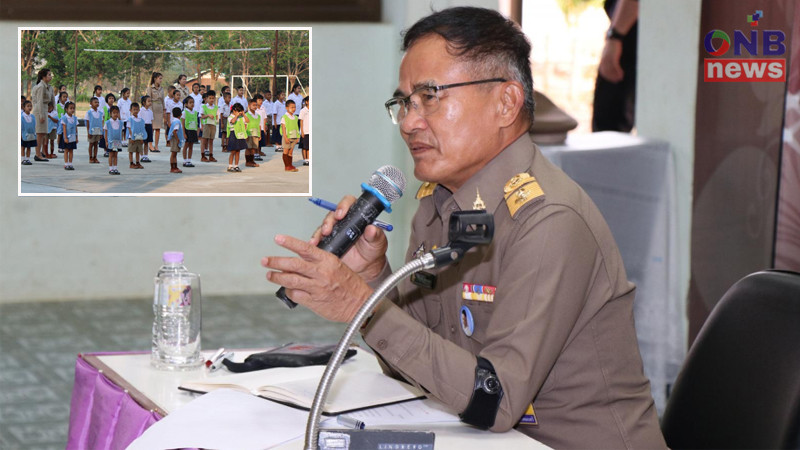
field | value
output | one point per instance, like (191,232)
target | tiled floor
(40,341)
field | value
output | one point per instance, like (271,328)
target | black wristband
(486,395)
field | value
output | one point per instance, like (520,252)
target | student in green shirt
(208,118)
(253,133)
(290,131)
(189,120)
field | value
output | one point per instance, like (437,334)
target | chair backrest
(740,384)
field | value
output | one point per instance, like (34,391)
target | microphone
(384,187)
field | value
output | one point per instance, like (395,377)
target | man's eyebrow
(427,83)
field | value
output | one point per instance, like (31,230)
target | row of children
(106,130)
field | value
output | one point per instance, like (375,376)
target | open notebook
(359,384)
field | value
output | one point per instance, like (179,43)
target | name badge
(529,418)
(478,292)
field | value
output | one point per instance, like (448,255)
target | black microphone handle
(345,232)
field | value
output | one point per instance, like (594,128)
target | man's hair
(489,42)
(289,102)
(176,112)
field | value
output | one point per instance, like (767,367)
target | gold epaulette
(520,190)
(425,190)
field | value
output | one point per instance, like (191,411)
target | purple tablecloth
(102,414)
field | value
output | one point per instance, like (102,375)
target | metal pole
(326,381)
(274,67)
(75,71)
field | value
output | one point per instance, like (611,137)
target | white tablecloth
(632,181)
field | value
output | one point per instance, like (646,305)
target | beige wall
(666,91)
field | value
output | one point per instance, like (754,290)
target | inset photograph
(156,112)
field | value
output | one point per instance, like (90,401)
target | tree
(56,50)
(28,53)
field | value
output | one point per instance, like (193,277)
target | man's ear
(512,100)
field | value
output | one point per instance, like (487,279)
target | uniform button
(452,329)
(382,344)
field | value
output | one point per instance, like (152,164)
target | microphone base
(375,439)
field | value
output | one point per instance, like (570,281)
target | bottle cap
(173,257)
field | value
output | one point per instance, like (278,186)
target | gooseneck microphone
(384,187)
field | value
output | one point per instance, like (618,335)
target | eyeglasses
(424,99)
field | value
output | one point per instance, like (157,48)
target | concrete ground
(205,178)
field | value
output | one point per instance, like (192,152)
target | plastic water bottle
(177,323)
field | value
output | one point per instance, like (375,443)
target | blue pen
(332,207)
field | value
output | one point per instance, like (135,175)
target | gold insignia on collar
(516,181)
(520,190)
(425,190)
(478,203)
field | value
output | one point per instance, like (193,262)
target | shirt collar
(489,180)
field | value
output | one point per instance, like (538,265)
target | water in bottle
(177,323)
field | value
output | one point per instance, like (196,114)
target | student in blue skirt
(28,132)
(237,136)
(68,134)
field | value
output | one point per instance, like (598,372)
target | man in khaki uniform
(547,304)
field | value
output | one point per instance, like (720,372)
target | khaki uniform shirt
(157,108)
(184,91)
(41,95)
(559,327)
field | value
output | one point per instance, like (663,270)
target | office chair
(740,384)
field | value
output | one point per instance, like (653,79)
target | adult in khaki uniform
(156,93)
(41,96)
(547,304)
(184,90)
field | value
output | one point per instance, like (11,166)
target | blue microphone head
(389,181)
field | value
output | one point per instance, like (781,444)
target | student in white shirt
(267,107)
(198,104)
(305,128)
(296,97)
(262,120)
(278,110)
(101,101)
(240,98)
(224,113)
(124,104)
(221,98)
(147,114)
(173,101)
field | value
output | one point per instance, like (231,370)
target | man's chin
(424,174)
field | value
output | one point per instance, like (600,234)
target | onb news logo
(763,49)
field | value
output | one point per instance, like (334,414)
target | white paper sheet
(225,419)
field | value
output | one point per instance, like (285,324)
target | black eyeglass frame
(407,99)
